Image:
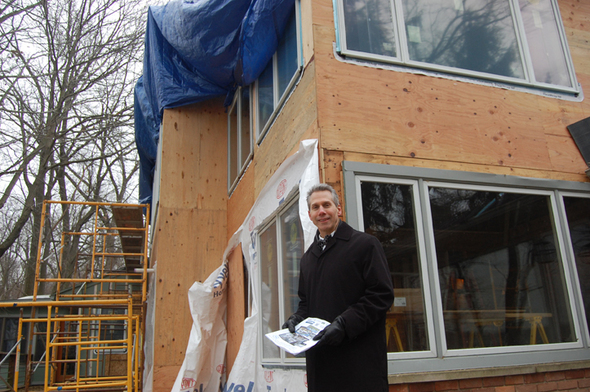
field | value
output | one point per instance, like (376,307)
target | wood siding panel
(236,310)
(370,110)
(191,230)
(192,172)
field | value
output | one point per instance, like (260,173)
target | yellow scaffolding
(98,315)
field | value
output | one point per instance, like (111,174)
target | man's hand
(333,334)
(292,322)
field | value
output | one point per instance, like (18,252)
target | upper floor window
(239,135)
(254,107)
(513,41)
(278,77)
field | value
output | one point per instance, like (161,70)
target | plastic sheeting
(300,171)
(197,50)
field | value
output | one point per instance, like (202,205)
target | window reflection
(246,138)
(545,47)
(578,217)
(388,214)
(369,26)
(292,249)
(269,287)
(501,278)
(476,35)
(281,248)
(287,55)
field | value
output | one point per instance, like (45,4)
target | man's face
(323,212)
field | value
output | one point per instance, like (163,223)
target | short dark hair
(321,188)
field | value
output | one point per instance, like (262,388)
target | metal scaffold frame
(97,317)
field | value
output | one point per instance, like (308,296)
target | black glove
(292,322)
(333,334)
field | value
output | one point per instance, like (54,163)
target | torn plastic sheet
(300,170)
(202,368)
(197,50)
(203,364)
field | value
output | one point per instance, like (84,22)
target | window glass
(388,214)
(269,287)
(265,96)
(578,217)
(516,41)
(10,334)
(542,33)
(501,278)
(476,35)
(369,26)
(233,142)
(291,250)
(112,329)
(246,138)
(287,55)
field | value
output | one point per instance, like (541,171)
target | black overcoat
(349,278)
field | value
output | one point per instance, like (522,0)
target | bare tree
(67,111)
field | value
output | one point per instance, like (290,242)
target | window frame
(275,218)
(279,100)
(238,106)
(403,362)
(403,58)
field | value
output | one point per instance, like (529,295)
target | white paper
(302,339)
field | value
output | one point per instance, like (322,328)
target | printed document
(302,339)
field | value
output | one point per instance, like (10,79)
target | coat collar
(343,232)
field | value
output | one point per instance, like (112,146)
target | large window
(515,41)
(487,270)
(280,249)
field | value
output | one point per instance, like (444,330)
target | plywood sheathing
(191,230)
(378,112)
(236,307)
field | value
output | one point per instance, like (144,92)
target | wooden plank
(463,166)
(190,246)
(191,230)
(192,174)
(240,202)
(236,311)
(332,172)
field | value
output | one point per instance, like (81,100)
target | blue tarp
(197,50)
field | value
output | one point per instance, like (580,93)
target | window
(270,92)
(9,337)
(239,135)
(514,41)
(278,77)
(111,330)
(487,270)
(280,249)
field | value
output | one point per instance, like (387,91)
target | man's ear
(339,207)
(309,214)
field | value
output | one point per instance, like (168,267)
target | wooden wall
(191,228)
(378,115)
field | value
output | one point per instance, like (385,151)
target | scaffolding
(90,335)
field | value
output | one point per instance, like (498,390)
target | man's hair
(320,188)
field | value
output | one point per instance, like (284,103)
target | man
(347,282)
